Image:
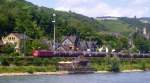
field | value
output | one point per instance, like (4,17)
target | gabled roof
(71,38)
(21,36)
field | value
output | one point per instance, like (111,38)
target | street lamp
(54,21)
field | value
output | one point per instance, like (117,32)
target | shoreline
(62,73)
(35,73)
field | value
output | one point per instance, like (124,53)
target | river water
(135,77)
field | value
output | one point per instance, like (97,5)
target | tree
(34,45)
(8,48)
(142,44)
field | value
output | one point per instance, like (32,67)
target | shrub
(5,62)
(143,65)
(115,64)
(30,69)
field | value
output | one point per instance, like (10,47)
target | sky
(98,8)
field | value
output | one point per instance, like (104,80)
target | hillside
(145,19)
(117,26)
(23,16)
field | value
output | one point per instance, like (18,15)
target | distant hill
(107,18)
(145,19)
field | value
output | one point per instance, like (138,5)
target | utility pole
(54,21)
(24,44)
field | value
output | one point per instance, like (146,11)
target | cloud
(91,8)
(137,7)
(94,8)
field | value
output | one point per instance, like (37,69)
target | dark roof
(21,36)
(91,44)
(83,45)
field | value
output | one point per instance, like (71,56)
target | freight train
(48,53)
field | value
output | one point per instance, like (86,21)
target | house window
(9,38)
(13,38)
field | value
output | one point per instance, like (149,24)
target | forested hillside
(22,16)
(36,22)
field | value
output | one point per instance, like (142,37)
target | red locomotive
(42,53)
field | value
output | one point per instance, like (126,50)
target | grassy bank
(116,64)
(28,69)
(30,65)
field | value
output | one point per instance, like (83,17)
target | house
(17,39)
(73,43)
(88,45)
(69,43)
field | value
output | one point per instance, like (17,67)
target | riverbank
(124,71)
(35,73)
(46,66)
(62,73)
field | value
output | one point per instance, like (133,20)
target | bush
(30,69)
(14,54)
(115,64)
(8,48)
(143,65)
(5,62)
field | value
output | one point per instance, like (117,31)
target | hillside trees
(36,22)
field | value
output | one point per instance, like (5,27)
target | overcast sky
(94,8)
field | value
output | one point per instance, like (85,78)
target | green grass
(17,65)
(101,64)
(29,69)
(117,26)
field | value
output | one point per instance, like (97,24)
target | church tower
(145,32)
